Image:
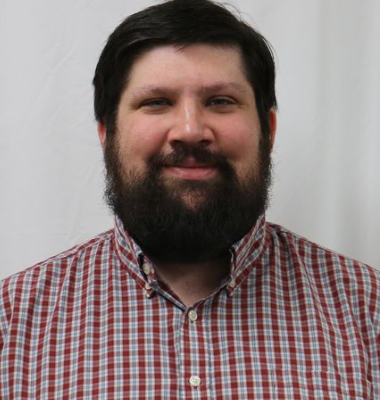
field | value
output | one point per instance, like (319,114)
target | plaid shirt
(292,321)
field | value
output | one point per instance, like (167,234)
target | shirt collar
(130,253)
(244,255)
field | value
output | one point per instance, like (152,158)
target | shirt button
(146,268)
(195,380)
(147,286)
(193,315)
(232,283)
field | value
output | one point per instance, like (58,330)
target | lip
(198,172)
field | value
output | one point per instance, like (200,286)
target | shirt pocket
(320,385)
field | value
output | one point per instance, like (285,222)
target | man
(193,294)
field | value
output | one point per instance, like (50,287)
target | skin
(200,96)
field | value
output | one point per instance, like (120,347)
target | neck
(192,282)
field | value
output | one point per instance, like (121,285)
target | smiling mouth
(191,173)
(191,169)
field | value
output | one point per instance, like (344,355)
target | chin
(193,201)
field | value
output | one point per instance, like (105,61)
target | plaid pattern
(293,321)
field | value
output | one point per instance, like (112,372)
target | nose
(190,126)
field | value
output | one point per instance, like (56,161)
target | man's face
(187,135)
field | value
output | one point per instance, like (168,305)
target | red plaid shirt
(293,321)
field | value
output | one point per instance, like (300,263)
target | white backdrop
(327,156)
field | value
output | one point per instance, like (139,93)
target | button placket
(194,380)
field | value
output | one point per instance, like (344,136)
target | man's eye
(155,103)
(221,101)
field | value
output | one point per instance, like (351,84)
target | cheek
(239,140)
(139,140)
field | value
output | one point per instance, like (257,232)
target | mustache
(199,154)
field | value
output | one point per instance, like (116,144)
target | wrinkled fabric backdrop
(327,155)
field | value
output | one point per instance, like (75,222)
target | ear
(272,125)
(102,133)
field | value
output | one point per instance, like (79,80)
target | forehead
(197,63)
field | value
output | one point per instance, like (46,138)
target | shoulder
(65,258)
(335,282)
(310,253)
(48,275)
(325,268)
(330,275)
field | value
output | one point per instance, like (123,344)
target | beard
(185,221)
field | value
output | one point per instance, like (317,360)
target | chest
(253,345)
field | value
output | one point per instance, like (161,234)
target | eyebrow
(161,90)
(225,85)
